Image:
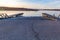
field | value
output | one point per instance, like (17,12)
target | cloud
(31,3)
(15,3)
(7,2)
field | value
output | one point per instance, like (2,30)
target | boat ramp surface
(21,28)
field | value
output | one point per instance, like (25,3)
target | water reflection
(32,13)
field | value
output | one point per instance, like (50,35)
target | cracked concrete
(29,29)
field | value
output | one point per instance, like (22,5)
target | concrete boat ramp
(29,29)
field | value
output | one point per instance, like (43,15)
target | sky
(31,3)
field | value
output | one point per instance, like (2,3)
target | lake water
(32,13)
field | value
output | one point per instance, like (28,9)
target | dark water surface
(29,28)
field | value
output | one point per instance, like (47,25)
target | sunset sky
(31,3)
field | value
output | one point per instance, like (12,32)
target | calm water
(32,13)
